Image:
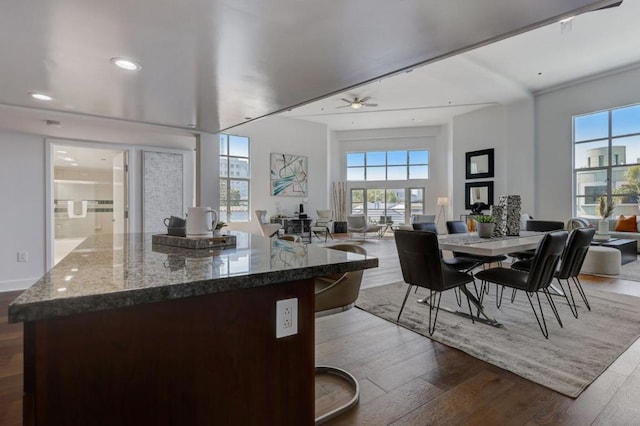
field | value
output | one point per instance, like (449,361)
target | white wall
(554,111)
(508,129)
(285,136)
(23,176)
(22,219)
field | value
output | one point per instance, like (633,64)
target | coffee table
(628,248)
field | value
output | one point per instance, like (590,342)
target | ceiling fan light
(356,105)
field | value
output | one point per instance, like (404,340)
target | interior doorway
(90,194)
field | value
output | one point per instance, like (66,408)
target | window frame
(605,163)
(226,179)
(407,165)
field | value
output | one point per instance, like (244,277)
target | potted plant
(486,225)
(604,210)
(221,224)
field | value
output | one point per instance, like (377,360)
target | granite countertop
(118,270)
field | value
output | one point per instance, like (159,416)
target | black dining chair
(536,225)
(570,265)
(460,227)
(422,266)
(543,267)
(459,263)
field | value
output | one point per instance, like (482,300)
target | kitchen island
(123,331)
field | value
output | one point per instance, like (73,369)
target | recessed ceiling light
(40,96)
(126,64)
(61,151)
(74,164)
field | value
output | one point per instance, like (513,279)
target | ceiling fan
(357,103)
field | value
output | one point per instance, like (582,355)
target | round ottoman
(602,260)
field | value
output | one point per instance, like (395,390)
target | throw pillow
(626,224)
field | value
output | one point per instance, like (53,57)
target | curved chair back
(325,215)
(456,227)
(545,261)
(421,218)
(544,225)
(342,289)
(425,226)
(356,222)
(575,252)
(419,256)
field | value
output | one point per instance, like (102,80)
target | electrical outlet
(23,256)
(286,317)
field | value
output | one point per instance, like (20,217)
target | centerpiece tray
(217,241)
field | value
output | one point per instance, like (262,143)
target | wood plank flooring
(407,379)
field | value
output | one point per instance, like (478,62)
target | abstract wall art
(288,175)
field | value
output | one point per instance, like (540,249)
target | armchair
(266,229)
(321,225)
(357,223)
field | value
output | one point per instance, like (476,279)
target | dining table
(471,243)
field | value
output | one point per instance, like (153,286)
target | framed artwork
(479,164)
(478,192)
(289,175)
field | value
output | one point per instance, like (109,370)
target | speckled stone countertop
(114,271)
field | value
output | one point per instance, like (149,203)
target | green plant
(484,219)
(220,224)
(604,208)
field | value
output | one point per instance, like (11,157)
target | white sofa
(623,235)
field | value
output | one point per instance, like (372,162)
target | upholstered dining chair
(422,266)
(357,223)
(321,225)
(536,280)
(460,227)
(570,264)
(536,225)
(459,263)
(266,229)
(333,294)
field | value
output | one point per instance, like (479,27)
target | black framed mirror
(478,192)
(479,164)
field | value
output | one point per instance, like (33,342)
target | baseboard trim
(14,285)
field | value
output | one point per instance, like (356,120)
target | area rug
(572,357)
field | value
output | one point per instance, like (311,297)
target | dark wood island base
(207,360)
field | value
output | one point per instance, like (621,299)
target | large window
(387,165)
(235,175)
(384,205)
(607,160)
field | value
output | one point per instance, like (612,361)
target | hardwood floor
(407,379)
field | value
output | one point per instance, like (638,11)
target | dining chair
(459,263)
(422,266)
(536,280)
(321,225)
(266,229)
(536,225)
(571,262)
(460,227)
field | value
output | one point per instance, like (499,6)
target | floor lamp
(442,202)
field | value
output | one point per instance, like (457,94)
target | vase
(485,230)
(603,227)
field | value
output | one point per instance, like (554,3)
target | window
(235,176)
(606,160)
(382,204)
(387,165)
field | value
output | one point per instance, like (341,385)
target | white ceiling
(209,65)
(498,73)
